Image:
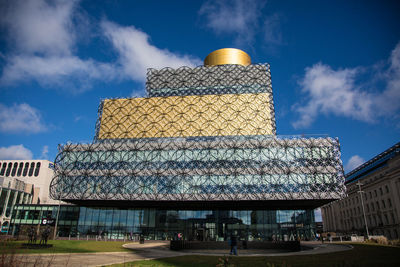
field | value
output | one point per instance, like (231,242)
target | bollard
(69,237)
(87,238)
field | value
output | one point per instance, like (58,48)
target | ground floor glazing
(161,224)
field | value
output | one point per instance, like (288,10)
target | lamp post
(362,205)
(58,214)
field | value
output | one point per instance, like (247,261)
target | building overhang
(208,205)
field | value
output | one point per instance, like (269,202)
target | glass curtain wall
(201,225)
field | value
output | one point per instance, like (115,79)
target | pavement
(160,249)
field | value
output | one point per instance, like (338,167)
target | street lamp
(58,214)
(362,204)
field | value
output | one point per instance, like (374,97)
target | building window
(21,166)
(37,169)
(3,168)
(370,195)
(387,189)
(376,194)
(9,169)
(390,202)
(372,207)
(25,169)
(367,208)
(380,190)
(383,204)
(31,169)
(386,219)
(377,205)
(393,219)
(14,169)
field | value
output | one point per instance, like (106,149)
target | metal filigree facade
(183,116)
(204,134)
(224,79)
(186,169)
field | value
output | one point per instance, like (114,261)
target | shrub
(395,242)
(379,240)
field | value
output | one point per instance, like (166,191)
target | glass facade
(213,168)
(156,224)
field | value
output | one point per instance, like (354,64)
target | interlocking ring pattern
(183,116)
(206,134)
(222,79)
(200,168)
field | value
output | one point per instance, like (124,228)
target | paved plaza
(154,250)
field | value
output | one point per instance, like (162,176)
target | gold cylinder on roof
(227,56)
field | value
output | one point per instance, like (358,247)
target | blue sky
(335,64)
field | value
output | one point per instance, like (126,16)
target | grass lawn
(66,246)
(361,255)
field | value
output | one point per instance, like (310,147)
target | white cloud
(44,35)
(136,54)
(331,91)
(389,100)
(40,26)
(62,71)
(45,152)
(353,163)
(18,152)
(238,17)
(336,92)
(20,118)
(43,39)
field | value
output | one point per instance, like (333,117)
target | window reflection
(213,225)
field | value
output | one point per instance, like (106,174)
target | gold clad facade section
(227,56)
(184,116)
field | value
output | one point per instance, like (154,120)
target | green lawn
(361,255)
(66,246)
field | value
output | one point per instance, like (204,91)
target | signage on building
(48,221)
(291,225)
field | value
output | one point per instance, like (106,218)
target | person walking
(233,245)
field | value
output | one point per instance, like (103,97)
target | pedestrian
(233,245)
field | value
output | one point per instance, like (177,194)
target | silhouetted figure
(233,245)
(32,235)
(45,236)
